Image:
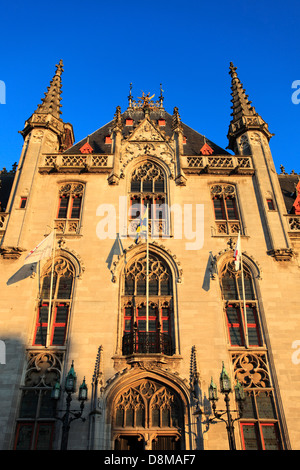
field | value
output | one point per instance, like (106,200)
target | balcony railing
(67,226)
(64,163)
(157,227)
(227,227)
(143,342)
(219,164)
(294,223)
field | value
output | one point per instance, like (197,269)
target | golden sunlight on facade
(163,289)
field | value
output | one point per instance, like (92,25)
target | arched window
(148,405)
(240,322)
(148,191)
(148,330)
(69,208)
(52,317)
(227,217)
(36,418)
(259,424)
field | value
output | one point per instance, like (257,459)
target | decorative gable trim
(146,131)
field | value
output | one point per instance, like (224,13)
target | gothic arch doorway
(148,415)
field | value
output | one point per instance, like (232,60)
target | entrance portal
(148,414)
(133,443)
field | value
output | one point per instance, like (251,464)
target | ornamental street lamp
(225,388)
(70,415)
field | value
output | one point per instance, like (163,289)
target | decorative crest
(145,101)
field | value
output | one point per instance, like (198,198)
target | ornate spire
(118,118)
(176,121)
(244,116)
(241,106)
(51,103)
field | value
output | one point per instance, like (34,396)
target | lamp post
(70,415)
(226,389)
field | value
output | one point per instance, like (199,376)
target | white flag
(238,253)
(42,250)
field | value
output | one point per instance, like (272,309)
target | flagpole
(244,304)
(147,275)
(51,290)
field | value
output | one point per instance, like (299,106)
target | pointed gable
(86,148)
(145,132)
(206,149)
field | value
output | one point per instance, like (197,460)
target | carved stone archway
(148,405)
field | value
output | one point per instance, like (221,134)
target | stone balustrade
(65,163)
(219,164)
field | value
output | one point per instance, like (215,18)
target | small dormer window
(86,148)
(161,122)
(129,122)
(108,139)
(23,202)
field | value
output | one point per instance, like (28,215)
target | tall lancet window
(259,425)
(241,307)
(148,329)
(53,316)
(69,211)
(225,202)
(148,190)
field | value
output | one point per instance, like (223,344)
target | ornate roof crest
(146,102)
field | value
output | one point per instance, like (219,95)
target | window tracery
(227,217)
(148,405)
(53,316)
(69,208)
(148,192)
(152,333)
(259,424)
(36,419)
(242,325)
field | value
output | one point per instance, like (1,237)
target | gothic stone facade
(148,336)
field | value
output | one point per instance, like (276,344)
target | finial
(176,121)
(59,67)
(283,172)
(118,117)
(161,98)
(232,69)
(130,96)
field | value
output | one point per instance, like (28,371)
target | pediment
(146,132)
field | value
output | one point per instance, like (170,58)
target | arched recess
(166,270)
(140,160)
(148,185)
(227,255)
(55,299)
(150,405)
(71,256)
(251,352)
(241,300)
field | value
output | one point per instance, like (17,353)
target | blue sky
(186,46)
